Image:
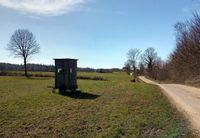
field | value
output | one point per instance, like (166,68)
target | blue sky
(97,32)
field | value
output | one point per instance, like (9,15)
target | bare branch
(23,44)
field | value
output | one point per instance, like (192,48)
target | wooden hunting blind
(65,74)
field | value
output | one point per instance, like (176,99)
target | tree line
(4,67)
(183,63)
(30,67)
(146,63)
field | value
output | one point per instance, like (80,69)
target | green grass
(113,108)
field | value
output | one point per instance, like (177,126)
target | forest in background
(49,68)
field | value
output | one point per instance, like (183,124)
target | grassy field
(112,108)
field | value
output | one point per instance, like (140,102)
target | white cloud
(42,7)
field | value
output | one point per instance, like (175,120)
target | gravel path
(185,98)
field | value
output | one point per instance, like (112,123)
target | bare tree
(127,68)
(141,68)
(23,45)
(149,57)
(159,69)
(184,62)
(133,55)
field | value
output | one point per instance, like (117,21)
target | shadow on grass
(80,95)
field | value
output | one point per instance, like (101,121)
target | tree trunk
(25,68)
(134,74)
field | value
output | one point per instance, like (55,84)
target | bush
(91,78)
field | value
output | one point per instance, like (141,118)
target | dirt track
(185,98)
